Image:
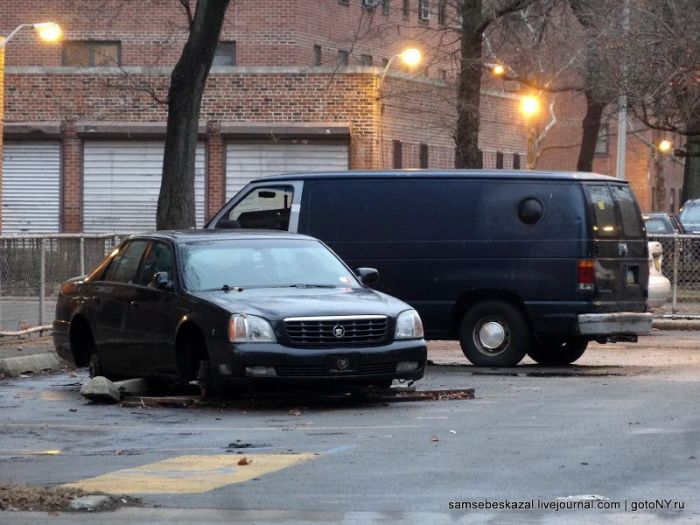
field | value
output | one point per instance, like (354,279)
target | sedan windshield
(232,265)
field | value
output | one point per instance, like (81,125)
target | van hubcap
(491,336)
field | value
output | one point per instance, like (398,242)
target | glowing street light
(498,70)
(529,106)
(48,31)
(411,57)
(665,146)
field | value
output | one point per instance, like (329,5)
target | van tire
(560,351)
(494,333)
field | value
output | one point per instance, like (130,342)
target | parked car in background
(689,216)
(659,286)
(236,308)
(662,223)
(509,263)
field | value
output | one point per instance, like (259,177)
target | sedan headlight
(408,325)
(244,328)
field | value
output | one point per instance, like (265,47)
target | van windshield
(615,211)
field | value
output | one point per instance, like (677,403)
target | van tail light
(586,274)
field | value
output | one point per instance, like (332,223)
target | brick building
(292,87)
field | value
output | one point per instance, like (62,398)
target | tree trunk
(591,130)
(691,173)
(176,200)
(469,89)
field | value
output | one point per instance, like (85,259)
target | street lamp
(411,57)
(665,146)
(530,107)
(48,32)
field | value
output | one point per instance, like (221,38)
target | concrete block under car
(16,366)
(100,390)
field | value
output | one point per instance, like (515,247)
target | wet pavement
(623,426)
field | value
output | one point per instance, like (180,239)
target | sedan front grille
(336,331)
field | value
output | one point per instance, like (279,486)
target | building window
(442,12)
(602,144)
(343,57)
(91,53)
(423,156)
(499,160)
(397,154)
(653,198)
(443,74)
(516,161)
(344,2)
(385,62)
(225,54)
(423,11)
(317,55)
(366,60)
(385,7)
(406,9)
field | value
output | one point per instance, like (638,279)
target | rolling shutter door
(121,183)
(31,187)
(246,161)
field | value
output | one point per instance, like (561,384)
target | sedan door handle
(135,304)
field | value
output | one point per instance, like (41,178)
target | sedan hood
(279,303)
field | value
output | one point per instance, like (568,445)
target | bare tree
(663,73)
(176,207)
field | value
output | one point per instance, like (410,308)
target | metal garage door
(245,162)
(31,187)
(121,182)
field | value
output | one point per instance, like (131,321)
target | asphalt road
(623,427)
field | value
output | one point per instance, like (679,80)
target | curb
(16,366)
(676,324)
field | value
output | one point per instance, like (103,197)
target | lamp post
(529,108)
(411,57)
(48,32)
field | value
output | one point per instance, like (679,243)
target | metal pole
(676,252)
(82,256)
(42,282)
(622,101)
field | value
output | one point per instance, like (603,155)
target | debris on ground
(244,461)
(54,499)
(100,390)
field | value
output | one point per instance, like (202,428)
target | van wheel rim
(491,336)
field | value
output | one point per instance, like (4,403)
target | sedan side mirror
(368,276)
(161,281)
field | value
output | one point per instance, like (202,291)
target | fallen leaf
(434,438)
(245,461)
(119,452)
(294,412)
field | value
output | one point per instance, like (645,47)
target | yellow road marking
(189,474)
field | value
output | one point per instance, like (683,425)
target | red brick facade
(276,83)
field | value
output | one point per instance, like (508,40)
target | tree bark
(691,172)
(469,89)
(591,130)
(176,209)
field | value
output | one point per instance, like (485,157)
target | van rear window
(615,211)
(631,220)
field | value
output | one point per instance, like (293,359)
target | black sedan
(236,308)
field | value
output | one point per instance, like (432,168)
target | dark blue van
(508,262)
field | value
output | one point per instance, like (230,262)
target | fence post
(42,281)
(676,252)
(82,255)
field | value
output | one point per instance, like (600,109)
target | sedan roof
(215,235)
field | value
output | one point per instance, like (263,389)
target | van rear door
(620,250)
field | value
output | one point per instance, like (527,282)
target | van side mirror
(228,224)
(161,281)
(368,276)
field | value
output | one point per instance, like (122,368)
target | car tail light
(586,274)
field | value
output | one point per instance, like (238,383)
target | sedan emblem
(343,363)
(338,331)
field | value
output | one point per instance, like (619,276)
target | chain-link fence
(33,267)
(681,266)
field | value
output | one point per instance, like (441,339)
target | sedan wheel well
(190,349)
(82,342)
